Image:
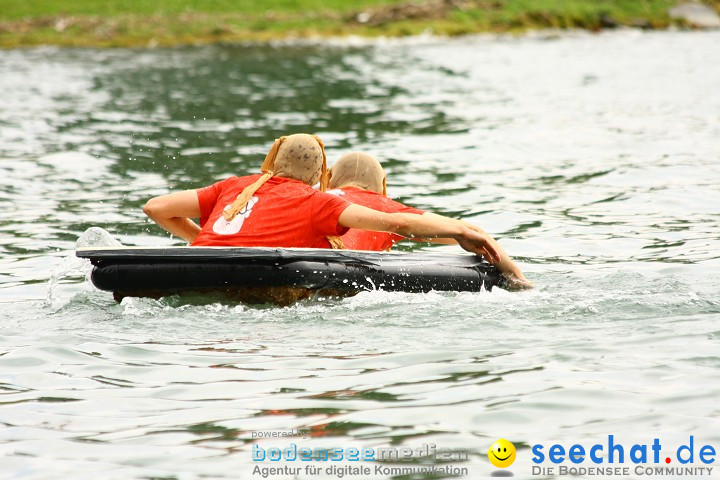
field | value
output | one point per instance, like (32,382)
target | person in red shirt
(279,208)
(360,179)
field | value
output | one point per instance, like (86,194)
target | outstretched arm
(412,225)
(173,213)
(506,265)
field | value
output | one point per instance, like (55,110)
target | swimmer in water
(360,179)
(279,208)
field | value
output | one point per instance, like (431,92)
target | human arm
(412,225)
(506,265)
(174,211)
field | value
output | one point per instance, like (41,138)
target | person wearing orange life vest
(360,179)
(279,208)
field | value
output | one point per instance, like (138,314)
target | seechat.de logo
(502,453)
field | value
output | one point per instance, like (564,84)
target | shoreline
(442,18)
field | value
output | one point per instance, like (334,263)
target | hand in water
(513,282)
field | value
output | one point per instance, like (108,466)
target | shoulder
(388,205)
(322,199)
(244,179)
(235,182)
(370,199)
(396,206)
(335,191)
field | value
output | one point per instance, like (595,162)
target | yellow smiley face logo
(502,453)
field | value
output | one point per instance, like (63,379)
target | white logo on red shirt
(335,191)
(223,227)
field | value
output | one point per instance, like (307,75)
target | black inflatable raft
(250,273)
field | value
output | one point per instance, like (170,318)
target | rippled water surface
(595,159)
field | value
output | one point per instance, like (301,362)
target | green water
(595,160)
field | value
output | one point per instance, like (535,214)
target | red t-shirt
(282,213)
(365,239)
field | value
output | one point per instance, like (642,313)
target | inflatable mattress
(249,273)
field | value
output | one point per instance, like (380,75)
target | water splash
(96,237)
(73,270)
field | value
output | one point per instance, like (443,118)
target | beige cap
(358,169)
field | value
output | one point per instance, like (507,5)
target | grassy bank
(175,22)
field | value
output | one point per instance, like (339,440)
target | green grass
(589,14)
(18,9)
(177,22)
